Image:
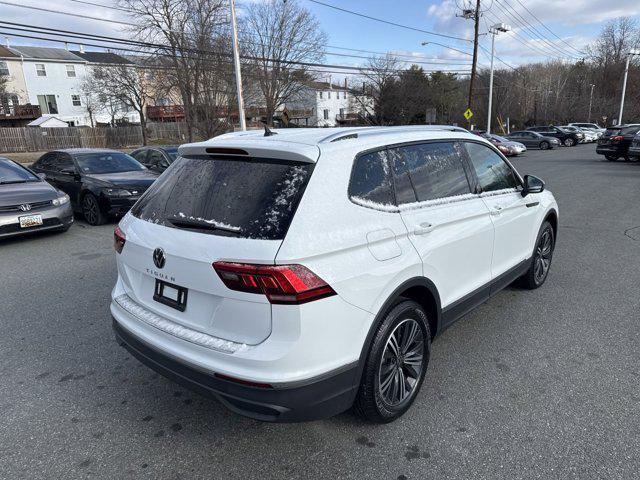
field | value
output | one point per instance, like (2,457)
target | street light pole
(624,82)
(590,102)
(236,63)
(498,27)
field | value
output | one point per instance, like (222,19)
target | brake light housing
(281,284)
(119,239)
(617,138)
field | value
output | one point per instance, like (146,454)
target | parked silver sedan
(28,203)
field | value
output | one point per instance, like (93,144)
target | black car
(534,140)
(100,183)
(616,141)
(156,158)
(28,203)
(634,148)
(567,138)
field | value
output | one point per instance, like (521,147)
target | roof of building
(325,86)
(39,121)
(7,53)
(102,57)
(46,53)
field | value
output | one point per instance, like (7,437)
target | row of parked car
(97,183)
(620,142)
(545,138)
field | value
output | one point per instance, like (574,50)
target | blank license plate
(30,221)
(171,295)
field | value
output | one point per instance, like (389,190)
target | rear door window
(431,170)
(249,198)
(371,180)
(492,171)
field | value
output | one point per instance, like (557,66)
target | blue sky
(576,22)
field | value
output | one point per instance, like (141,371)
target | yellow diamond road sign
(468,113)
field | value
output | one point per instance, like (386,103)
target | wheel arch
(552,218)
(419,289)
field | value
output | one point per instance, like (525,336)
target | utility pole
(476,27)
(624,82)
(236,63)
(590,101)
(495,29)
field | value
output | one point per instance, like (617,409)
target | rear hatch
(205,209)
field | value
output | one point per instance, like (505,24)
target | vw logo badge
(158,257)
(25,207)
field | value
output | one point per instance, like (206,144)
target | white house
(326,104)
(53,80)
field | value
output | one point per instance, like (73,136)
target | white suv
(297,273)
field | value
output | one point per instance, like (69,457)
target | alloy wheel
(401,363)
(90,209)
(544,251)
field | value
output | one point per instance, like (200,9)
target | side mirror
(532,185)
(42,176)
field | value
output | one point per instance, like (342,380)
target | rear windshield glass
(612,131)
(248,198)
(12,173)
(107,162)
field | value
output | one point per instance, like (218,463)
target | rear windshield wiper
(202,224)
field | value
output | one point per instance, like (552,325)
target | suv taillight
(617,138)
(119,239)
(282,284)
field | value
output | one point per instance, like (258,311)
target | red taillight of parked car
(119,239)
(617,138)
(281,284)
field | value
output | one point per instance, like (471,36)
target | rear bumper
(312,400)
(609,150)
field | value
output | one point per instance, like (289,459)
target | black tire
(538,272)
(569,142)
(374,402)
(544,145)
(611,158)
(91,210)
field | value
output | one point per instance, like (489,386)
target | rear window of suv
(248,198)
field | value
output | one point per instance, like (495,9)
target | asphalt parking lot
(533,384)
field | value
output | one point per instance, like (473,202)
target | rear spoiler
(253,147)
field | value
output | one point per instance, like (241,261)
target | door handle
(497,210)
(424,228)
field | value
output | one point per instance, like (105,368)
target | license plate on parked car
(30,221)
(171,295)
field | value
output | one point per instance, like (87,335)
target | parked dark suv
(634,149)
(568,139)
(616,141)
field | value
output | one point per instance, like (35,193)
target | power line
(520,19)
(326,52)
(375,19)
(101,38)
(548,29)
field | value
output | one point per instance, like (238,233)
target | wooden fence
(35,139)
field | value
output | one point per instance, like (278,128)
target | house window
(326,114)
(344,95)
(320,94)
(40,70)
(4,68)
(329,94)
(75,100)
(342,112)
(71,71)
(48,104)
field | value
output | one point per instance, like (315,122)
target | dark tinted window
(371,179)
(172,153)
(13,173)
(63,162)
(250,198)
(492,171)
(434,170)
(45,161)
(107,162)
(629,130)
(140,155)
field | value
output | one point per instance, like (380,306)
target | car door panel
(512,215)
(448,225)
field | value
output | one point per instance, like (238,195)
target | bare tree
(127,85)
(379,78)
(187,30)
(278,36)
(89,97)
